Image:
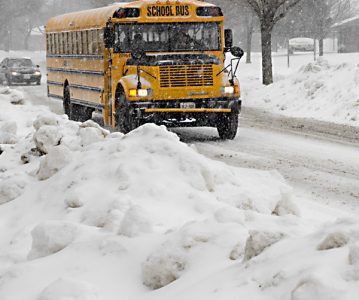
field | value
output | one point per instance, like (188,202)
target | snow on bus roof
(98,17)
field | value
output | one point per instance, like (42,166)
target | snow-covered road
(320,169)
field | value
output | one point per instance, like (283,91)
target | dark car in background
(20,70)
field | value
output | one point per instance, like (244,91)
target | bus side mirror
(228,38)
(237,52)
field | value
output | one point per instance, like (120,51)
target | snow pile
(8,131)
(86,214)
(69,289)
(51,237)
(327,91)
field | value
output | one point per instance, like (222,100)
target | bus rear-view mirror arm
(238,54)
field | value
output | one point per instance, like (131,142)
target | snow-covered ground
(326,89)
(85,215)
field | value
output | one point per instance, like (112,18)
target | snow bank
(164,266)
(258,241)
(135,222)
(69,289)
(11,188)
(94,215)
(56,159)
(8,132)
(51,237)
(313,288)
(327,91)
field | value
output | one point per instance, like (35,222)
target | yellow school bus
(146,61)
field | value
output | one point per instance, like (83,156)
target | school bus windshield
(167,37)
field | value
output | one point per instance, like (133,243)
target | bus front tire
(126,120)
(227,125)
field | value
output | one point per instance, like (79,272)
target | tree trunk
(266,37)
(8,41)
(249,42)
(321,47)
(26,40)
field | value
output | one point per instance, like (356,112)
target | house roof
(347,23)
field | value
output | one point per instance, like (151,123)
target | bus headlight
(228,90)
(139,93)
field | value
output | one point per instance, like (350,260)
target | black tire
(8,81)
(84,113)
(227,125)
(38,82)
(75,112)
(125,118)
(67,101)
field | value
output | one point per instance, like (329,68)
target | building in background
(348,35)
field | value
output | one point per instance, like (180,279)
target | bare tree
(325,14)
(250,21)
(269,13)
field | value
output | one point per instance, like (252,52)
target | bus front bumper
(188,110)
(204,113)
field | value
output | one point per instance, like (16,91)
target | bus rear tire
(75,112)
(67,101)
(227,125)
(126,120)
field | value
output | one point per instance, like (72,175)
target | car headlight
(14,73)
(139,93)
(37,73)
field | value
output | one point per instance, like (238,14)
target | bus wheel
(67,101)
(126,120)
(76,112)
(86,114)
(227,125)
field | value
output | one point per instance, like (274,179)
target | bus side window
(53,44)
(90,41)
(58,40)
(93,42)
(56,43)
(74,42)
(66,43)
(100,40)
(84,42)
(70,43)
(64,38)
(50,43)
(60,43)
(47,43)
(78,42)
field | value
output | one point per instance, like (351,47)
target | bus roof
(98,17)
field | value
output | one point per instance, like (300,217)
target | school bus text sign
(167,11)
